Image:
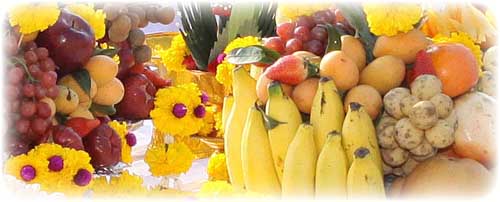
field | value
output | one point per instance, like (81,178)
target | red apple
(104,146)
(66,137)
(70,42)
(138,99)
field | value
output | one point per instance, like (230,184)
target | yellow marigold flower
(166,103)
(121,129)
(208,121)
(464,39)
(224,76)
(173,57)
(33,17)
(241,43)
(14,165)
(218,124)
(217,169)
(95,18)
(217,189)
(122,186)
(391,18)
(169,159)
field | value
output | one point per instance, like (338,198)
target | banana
(281,108)
(327,112)
(226,109)
(331,169)
(358,131)
(300,164)
(258,168)
(363,178)
(244,97)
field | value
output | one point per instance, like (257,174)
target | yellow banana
(364,179)
(300,164)
(327,112)
(281,108)
(331,169)
(256,157)
(244,97)
(226,109)
(358,131)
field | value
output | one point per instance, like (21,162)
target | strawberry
(423,65)
(82,126)
(290,70)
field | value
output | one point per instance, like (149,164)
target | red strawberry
(82,126)
(423,65)
(290,70)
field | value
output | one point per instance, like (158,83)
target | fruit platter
(268,100)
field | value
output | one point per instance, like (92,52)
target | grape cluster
(306,33)
(30,91)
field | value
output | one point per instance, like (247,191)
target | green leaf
(110,52)
(252,54)
(355,15)
(334,42)
(82,77)
(269,122)
(105,109)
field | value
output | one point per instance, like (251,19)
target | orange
(455,66)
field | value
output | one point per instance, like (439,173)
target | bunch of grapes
(307,33)
(30,91)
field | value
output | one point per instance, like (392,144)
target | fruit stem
(23,64)
(312,69)
(274,89)
(354,106)
(333,133)
(325,79)
(361,152)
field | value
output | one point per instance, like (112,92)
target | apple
(104,146)
(70,42)
(138,99)
(66,137)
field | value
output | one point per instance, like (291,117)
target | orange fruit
(102,69)
(455,66)
(341,68)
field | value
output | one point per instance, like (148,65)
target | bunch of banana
(331,169)
(327,112)
(287,119)
(244,98)
(258,167)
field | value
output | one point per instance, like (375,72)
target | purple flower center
(28,173)
(220,57)
(56,163)
(199,111)
(82,177)
(131,139)
(204,97)
(179,110)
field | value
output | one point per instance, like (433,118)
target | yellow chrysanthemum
(14,165)
(122,186)
(121,129)
(218,124)
(163,116)
(208,121)
(241,42)
(464,39)
(169,159)
(173,57)
(390,19)
(95,18)
(216,189)
(216,168)
(33,17)
(62,181)
(224,76)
